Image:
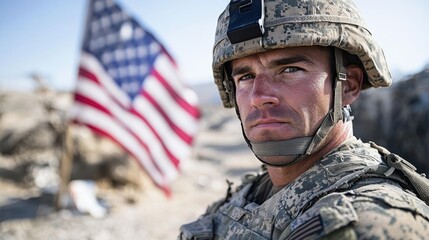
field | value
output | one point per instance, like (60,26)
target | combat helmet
(248,27)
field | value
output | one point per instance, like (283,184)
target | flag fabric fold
(128,90)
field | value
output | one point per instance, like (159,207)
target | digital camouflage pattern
(344,196)
(335,23)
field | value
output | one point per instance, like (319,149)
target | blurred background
(40,46)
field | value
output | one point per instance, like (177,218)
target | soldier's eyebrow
(274,63)
(289,60)
(240,70)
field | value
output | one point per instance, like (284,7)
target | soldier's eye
(291,69)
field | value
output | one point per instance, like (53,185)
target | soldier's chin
(278,161)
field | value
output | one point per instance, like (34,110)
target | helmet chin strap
(302,147)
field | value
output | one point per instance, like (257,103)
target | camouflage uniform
(344,196)
(358,190)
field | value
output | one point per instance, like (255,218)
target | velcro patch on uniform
(200,229)
(309,230)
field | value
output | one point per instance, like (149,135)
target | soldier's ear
(353,85)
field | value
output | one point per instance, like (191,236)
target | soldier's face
(283,94)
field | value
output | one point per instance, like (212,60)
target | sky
(44,37)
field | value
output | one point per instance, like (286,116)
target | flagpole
(66,163)
(65,168)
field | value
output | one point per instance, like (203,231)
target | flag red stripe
(177,130)
(192,110)
(88,75)
(86,101)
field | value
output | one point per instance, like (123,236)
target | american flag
(128,89)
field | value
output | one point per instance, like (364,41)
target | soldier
(291,69)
